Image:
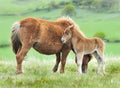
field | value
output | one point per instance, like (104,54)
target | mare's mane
(76,27)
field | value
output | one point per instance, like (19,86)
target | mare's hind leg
(58,58)
(20,56)
(86,59)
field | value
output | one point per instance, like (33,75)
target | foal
(83,46)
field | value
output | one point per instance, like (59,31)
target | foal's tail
(16,44)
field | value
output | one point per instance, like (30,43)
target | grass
(38,73)
(112,49)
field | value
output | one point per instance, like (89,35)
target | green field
(38,74)
(38,67)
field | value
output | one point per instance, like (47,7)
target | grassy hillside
(21,6)
(89,23)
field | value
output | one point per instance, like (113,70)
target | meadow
(38,67)
(38,74)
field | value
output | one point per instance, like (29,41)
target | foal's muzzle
(63,40)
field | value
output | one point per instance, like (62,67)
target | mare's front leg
(79,61)
(58,58)
(63,60)
(20,56)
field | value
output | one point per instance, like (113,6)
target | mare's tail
(16,44)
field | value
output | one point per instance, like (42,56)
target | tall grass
(38,74)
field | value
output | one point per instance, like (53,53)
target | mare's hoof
(84,72)
(18,72)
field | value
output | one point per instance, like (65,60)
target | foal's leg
(79,62)
(103,65)
(63,60)
(58,58)
(102,60)
(98,60)
(20,56)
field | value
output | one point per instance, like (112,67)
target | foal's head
(67,34)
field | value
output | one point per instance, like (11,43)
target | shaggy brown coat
(83,46)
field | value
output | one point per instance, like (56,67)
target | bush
(69,10)
(100,35)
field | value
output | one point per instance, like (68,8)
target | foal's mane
(76,27)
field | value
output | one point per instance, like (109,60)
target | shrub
(69,10)
(100,35)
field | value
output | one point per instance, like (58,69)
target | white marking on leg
(98,61)
(103,66)
(79,62)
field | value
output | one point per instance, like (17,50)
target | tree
(69,10)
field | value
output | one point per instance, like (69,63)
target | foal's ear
(71,27)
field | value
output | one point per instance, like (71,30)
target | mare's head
(67,34)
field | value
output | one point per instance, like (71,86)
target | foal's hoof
(18,72)
(54,69)
(101,74)
(80,73)
(104,73)
(61,71)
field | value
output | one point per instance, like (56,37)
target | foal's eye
(67,33)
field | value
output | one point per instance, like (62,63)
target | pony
(83,45)
(45,37)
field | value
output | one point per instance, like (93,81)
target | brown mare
(45,37)
(83,46)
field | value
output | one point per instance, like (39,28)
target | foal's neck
(78,35)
